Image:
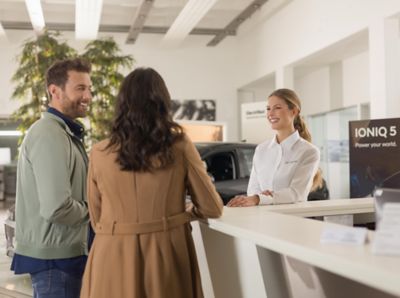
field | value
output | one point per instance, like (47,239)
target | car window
(246,161)
(221,166)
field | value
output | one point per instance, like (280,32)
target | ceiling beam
(35,12)
(11,25)
(138,20)
(232,27)
(2,33)
(186,21)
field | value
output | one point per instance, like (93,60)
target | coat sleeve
(94,197)
(50,157)
(302,180)
(207,202)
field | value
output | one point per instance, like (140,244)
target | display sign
(254,124)
(374,155)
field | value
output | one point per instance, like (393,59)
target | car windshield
(247,157)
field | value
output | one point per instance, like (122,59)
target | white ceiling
(119,14)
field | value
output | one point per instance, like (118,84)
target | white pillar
(384,64)
(336,85)
(284,78)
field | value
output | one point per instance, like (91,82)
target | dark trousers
(55,283)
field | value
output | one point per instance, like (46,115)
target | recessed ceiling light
(87,18)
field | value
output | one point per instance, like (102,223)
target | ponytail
(301,127)
(318,182)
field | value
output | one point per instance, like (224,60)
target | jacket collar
(47,115)
(73,127)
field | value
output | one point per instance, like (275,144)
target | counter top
(308,209)
(299,238)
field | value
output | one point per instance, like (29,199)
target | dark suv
(229,165)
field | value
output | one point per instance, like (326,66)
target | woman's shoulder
(100,146)
(308,147)
(182,140)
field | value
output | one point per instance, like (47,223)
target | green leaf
(39,53)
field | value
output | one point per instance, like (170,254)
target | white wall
(190,72)
(356,79)
(302,28)
(313,90)
(8,67)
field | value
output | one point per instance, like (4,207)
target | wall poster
(194,109)
(374,155)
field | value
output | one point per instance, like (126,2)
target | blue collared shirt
(74,266)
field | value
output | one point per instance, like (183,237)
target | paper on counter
(387,237)
(344,235)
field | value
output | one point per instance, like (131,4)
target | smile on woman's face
(279,115)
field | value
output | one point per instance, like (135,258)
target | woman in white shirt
(286,167)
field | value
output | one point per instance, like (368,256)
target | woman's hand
(268,193)
(189,207)
(243,201)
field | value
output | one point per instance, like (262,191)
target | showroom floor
(11,286)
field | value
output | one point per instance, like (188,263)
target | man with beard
(51,208)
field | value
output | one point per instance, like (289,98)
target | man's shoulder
(45,130)
(46,125)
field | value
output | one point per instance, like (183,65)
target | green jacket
(51,210)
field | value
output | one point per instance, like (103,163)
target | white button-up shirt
(287,169)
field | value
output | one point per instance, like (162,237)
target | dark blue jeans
(55,283)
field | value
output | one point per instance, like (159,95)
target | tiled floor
(11,286)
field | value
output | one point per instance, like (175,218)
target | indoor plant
(38,54)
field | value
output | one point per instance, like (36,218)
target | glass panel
(245,161)
(330,132)
(221,166)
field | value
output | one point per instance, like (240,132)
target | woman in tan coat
(137,182)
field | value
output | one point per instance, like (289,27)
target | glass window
(246,161)
(221,166)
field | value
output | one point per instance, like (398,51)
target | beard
(73,107)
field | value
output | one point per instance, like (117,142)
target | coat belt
(164,224)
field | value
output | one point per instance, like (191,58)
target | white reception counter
(266,251)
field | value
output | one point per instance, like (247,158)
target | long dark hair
(293,102)
(143,131)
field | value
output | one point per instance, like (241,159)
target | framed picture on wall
(194,109)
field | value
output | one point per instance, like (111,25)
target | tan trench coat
(135,252)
